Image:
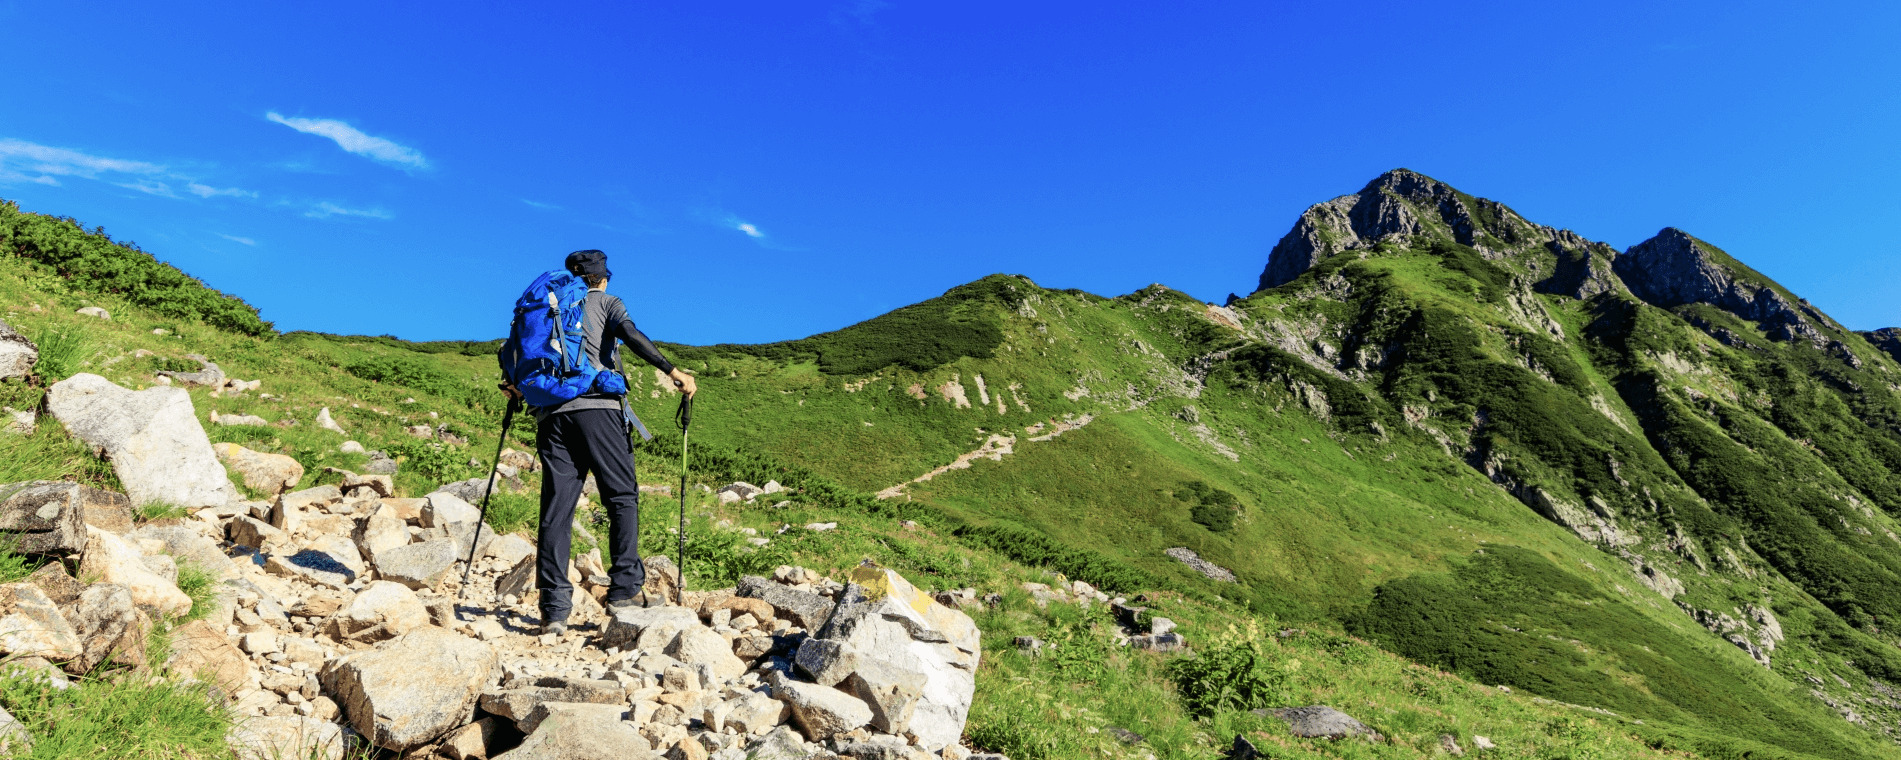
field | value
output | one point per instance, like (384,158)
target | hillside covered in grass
(1443,449)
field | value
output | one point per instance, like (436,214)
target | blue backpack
(544,357)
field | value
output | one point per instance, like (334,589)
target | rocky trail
(338,623)
(995,448)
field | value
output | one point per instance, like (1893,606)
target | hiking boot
(642,600)
(556,628)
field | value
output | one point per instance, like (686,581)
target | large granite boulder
(411,689)
(568,731)
(189,544)
(417,566)
(152,437)
(821,712)
(650,628)
(805,609)
(1320,722)
(204,653)
(384,529)
(382,610)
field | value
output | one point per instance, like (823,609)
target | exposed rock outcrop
(1888,339)
(1402,205)
(1584,269)
(1673,269)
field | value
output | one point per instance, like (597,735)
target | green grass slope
(1487,484)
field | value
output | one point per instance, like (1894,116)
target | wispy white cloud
(207,191)
(326,209)
(540,205)
(238,240)
(354,140)
(47,161)
(22,161)
(751,230)
(149,187)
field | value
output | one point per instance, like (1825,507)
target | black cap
(589,262)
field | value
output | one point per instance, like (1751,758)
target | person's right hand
(684,382)
(509,391)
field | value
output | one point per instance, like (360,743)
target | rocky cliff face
(1405,207)
(1887,339)
(1673,269)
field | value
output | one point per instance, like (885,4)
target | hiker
(590,434)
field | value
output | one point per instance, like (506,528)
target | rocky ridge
(1405,208)
(1672,268)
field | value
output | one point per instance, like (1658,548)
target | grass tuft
(125,717)
(199,584)
(158,510)
(62,349)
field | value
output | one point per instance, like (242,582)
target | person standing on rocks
(589,435)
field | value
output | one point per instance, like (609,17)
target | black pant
(571,445)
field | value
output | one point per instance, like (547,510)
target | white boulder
(152,437)
(411,689)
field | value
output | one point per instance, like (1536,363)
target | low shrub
(1234,672)
(1211,507)
(90,261)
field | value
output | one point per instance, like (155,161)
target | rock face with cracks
(44,517)
(410,690)
(112,559)
(152,437)
(31,626)
(109,625)
(892,631)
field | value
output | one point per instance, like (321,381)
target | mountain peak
(1380,211)
(1401,205)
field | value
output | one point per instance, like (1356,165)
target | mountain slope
(1664,484)
(1666,431)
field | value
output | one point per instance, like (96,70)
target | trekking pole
(508,418)
(683,416)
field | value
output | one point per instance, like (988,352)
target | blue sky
(762,171)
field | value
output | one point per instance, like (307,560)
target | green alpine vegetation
(1447,470)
